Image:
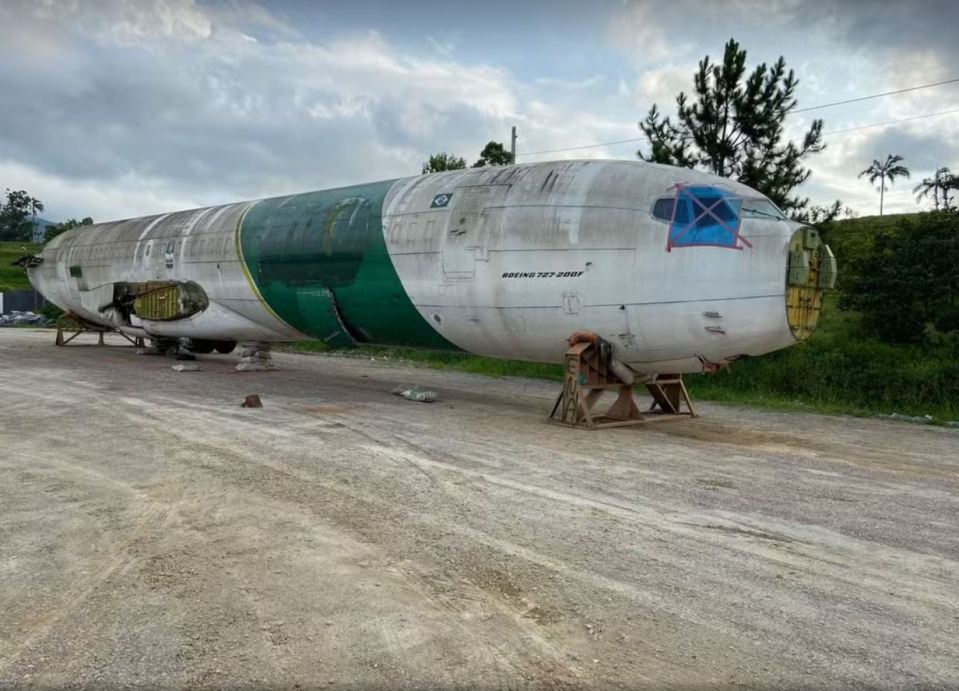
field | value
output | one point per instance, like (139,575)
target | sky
(121,108)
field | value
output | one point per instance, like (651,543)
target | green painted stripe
(319,261)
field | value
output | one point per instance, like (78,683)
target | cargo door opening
(157,300)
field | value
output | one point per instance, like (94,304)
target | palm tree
(938,184)
(36,206)
(950,182)
(882,171)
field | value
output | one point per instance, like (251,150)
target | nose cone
(810,271)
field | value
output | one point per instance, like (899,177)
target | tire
(224,347)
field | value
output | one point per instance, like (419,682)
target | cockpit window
(761,208)
(719,209)
(663,210)
(702,215)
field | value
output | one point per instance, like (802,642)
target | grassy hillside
(13,277)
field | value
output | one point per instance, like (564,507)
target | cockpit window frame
(748,212)
(702,216)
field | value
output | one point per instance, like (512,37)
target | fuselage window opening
(663,210)
(761,208)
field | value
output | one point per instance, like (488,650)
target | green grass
(13,277)
(837,371)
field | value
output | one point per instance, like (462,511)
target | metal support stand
(69,323)
(588,376)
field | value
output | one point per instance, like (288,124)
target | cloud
(924,145)
(639,33)
(661,86)
(444,44)
(123,107)
(572,84)
(170,94)
(78,198)
(887,29)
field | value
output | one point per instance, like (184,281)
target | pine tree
(733,127)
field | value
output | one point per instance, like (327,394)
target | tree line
(493,154)
(18,219)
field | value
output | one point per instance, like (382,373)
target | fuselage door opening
(157,300)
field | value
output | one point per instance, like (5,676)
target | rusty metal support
(587,377)
(669,393)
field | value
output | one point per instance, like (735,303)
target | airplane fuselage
(677,269)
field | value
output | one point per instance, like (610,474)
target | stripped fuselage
(505,262)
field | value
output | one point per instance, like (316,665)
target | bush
(904,280)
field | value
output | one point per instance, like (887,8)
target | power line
(799,110)
(865,197)
(825,134)
(891,122)
(584,146)
(867,98)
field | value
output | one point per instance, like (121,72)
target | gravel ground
(154,532)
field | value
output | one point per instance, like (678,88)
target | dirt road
(153,531)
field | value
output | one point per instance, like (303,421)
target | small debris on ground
(252,401)
(185,368)
(414,393)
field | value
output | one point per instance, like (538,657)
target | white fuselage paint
(560,247)
(199,245)
(520,258)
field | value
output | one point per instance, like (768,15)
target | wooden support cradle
(74,325)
